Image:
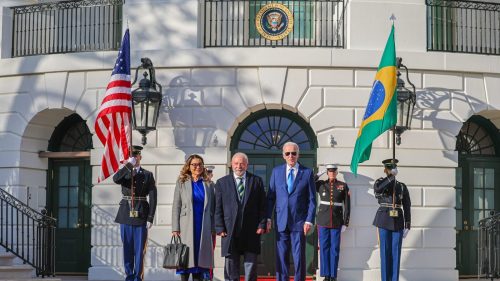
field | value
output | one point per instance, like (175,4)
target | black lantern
(146,100)
(406,102)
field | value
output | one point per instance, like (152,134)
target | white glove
(149,225)
(319,174)
(405,232)
(343,228)
(132,161)
(394,171)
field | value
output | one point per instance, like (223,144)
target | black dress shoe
(327,279)
(333,279)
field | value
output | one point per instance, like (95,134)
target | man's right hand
(176,233)
(222,234)
(132,161)
(269,225)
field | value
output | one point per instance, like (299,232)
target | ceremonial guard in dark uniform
(392,219)
(135,214)
(332,219)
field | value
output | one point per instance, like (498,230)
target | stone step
(33,279)
(7,259)
(16,272)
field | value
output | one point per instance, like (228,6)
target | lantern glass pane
(140,115)
(153,113)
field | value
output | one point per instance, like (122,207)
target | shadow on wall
(107,248)
(448,123)
(359,242)
(185,107)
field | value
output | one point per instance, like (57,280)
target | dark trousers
(329,250)
(134,239)
(296,240)
(196,276)
(390,253)
(232,267)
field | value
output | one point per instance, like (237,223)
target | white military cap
(331,166)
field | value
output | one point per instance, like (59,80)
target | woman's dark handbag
(176,254)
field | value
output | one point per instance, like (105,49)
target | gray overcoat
(182,220)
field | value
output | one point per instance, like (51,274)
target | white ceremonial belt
(333,203)
(136,198)
(390,205)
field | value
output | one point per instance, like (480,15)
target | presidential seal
(274,21)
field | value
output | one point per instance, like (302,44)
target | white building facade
(215,97)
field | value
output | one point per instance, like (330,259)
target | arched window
(271,129)
(72,134)
(476,138)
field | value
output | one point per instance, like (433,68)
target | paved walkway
(84,278)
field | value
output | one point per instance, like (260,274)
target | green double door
(262,165)
(478,193)
(70,202)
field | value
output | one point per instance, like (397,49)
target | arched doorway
(477,186)
(69,193)
(261,136)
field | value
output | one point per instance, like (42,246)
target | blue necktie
(289,181)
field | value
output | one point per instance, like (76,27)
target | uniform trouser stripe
(390,253)
(134,238)
(329,243)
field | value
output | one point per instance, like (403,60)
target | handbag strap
(176,239)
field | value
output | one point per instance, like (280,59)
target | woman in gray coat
(193,217)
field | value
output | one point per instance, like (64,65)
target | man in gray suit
(240,218)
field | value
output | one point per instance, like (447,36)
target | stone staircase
(10,269)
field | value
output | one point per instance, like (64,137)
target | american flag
(112,125)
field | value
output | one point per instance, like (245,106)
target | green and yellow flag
(380,114)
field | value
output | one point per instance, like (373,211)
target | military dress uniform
(333,212)
(133,216)
(392,217)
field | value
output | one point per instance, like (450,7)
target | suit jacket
(292,210)
(144,185)
(383,188)
(240,220)
(182,220)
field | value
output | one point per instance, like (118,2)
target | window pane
(489,178)
(459,177)
(459,220)
(73,196)
(73,177)
(63,176)
(62,221)
(478,199)
(63,197)
(489,199)
(73,218)
(260,170)
(458,194)
(478,215)
(478,178)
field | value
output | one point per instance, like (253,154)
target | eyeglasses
(196,165)
(294,153)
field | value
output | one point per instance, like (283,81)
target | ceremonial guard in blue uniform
(135,214)
(392,219)
(332,219)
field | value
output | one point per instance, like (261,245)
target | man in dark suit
(293,190)
(135,214)
(240,218)
(392,219)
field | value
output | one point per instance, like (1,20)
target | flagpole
(393,144)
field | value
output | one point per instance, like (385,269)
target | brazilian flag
(380,114)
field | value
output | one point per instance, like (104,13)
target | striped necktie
(240,188)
